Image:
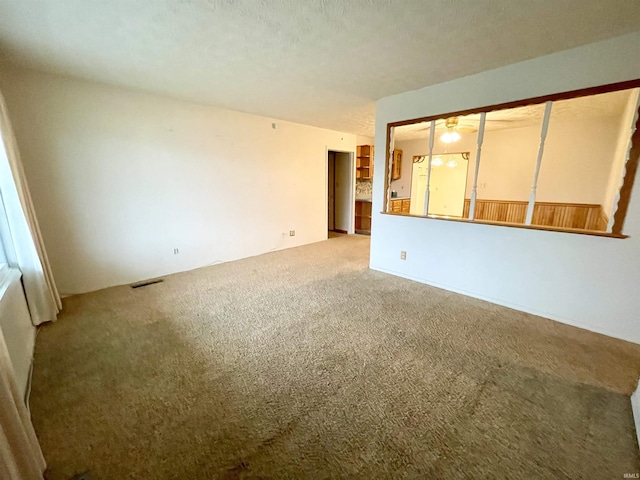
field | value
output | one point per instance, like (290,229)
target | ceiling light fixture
(450,135)
(452,164)
(436,162)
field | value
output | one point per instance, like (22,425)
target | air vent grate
(146,283)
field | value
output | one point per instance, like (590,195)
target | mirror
(448,184)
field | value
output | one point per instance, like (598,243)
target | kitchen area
(364,188)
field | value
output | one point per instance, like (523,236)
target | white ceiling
(319,62)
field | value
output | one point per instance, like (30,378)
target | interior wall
(364,140)
(583,280)
(120,179)
(627,123)
(576,165)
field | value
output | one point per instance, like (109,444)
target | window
(5,237)
(564,162)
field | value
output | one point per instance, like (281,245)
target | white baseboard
(635,407)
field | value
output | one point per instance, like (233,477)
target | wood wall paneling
(549,214)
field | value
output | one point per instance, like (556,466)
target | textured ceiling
(605,105)
(317,62)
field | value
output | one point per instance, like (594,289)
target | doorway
(340,191)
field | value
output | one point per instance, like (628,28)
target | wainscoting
(549,214)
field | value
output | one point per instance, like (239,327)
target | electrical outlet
(292,233)
(176,251)
(403,255)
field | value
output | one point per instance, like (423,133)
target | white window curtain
(23,245)
(20,454)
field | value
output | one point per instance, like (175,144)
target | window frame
(624,193)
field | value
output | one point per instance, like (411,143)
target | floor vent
(82,476)
(145,283)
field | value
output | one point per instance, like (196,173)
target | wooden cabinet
(400,205)
(364,162)
(363,217)
(396,165)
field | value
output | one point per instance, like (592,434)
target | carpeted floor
(305,364)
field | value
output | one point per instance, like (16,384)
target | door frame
(352,188)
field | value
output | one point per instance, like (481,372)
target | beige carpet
(305,364)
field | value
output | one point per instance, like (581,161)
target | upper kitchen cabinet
(396,165)
(364,162)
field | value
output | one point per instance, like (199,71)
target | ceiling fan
(453,123)
(466,124)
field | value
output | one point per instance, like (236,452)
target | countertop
(368,199)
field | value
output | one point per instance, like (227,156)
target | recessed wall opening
(564,162)
(340,192)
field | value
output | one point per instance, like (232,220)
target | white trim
(474,188)
(534,187)
(389,172)
(635,408)
(515,306)
(432,134)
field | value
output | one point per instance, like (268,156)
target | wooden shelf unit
(364,162)
(363,217)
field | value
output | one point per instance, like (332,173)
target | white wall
(627,123)
(121,178)
(576,166)
(582,280)
(364,140)
(15,326)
